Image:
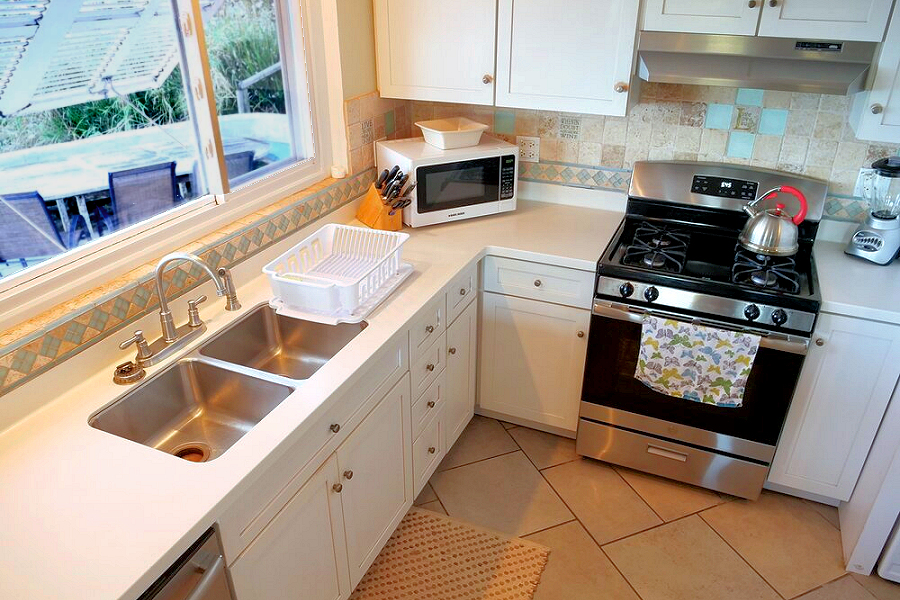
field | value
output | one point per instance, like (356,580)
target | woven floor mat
(431,556)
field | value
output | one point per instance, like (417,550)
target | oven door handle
(622,312)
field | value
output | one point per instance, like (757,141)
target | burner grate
(660,248)
(778,273)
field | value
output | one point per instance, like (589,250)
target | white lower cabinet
(462,341)
(301,552)
(532,359)
(845,386)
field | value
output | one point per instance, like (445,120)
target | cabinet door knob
(487,79)
(580,334)
(337,487)
(335,428)
(451,350)
(752,4)
(348,474)
(538,283)
(432,450)
(876,109)
(462,291)
(429,328)
(621,87)
(820,341)
(773,3)
(431,404)
(429,367)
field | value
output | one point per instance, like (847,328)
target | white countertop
(88,515)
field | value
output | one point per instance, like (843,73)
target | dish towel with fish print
(696,363)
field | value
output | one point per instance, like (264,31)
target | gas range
(677,250)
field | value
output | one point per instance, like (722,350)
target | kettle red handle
(801,214)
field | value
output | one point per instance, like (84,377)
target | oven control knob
(651,294)
(626,289)
(779,317)
(751,312)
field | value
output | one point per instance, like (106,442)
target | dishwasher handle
(201,591)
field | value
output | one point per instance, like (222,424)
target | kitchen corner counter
(854,287)
(90,516)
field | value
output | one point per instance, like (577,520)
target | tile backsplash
(800,133)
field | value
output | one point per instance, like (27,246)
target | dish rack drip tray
(338,274)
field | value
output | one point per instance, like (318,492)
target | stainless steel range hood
(817,66)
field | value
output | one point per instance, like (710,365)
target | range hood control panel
(724,187)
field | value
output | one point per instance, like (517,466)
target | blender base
(876,240)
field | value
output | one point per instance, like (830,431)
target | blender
(878,239)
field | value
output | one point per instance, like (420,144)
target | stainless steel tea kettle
(771,232)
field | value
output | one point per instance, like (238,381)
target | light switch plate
(862,180)
(529,148)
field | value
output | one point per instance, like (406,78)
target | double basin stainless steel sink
(200,406)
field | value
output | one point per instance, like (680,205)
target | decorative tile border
(574,175)
(35,353)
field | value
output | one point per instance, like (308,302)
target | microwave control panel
(507,176)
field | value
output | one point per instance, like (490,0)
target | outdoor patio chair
(238,164)
(138,194)
(27,230)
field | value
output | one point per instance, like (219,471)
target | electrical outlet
(863,181)
(529,148)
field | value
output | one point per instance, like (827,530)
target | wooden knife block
(374,213)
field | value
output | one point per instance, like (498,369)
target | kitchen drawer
(548,283)
(430,403)
(427,366)
(428,451)
(253,508)
(670,459)
(461,292)
(427,326)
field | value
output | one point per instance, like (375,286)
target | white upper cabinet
(735,17)
(862,20)
(436,50)
(875,114)
(576,57)
(843,391)
(850,20)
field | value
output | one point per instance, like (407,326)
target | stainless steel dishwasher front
(198,574)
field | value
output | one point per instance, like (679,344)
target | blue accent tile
(718,116)
(740,144)
(750,97)
(505,122)
(772,121)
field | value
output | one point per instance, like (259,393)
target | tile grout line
(475,462)
(638,494)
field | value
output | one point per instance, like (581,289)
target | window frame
(310,27)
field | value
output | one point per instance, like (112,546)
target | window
(108,129)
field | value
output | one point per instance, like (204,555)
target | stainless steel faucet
(222,279)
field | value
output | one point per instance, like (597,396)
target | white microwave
(453,184)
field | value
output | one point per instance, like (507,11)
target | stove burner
(778,273)
(657,247)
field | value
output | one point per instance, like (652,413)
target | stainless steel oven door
(610,390)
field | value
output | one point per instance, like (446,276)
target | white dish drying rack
(338,274)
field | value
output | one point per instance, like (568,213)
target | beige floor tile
(844,588)
(507,425)
(544,449)
(482,438)
(878,587)
(601,500)
(578,569)
(829,512)
(686,560)
(669,499)
(783,538)
(434,506)
(425,496)
(505,493)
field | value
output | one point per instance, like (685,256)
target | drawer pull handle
(462,291)
(429,367)
(432,450)
(337,487)
(666,453)
(348,474)
(430,329)
(335,428)
(538,283)
(580,334)
(431,404)
(451,350)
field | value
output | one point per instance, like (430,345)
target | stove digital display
(725,188)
